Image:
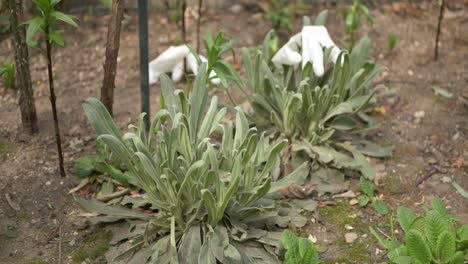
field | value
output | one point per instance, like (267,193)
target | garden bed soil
(428,132)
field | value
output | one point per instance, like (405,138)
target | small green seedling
(368,189)
(7,70)
(433,238)
(279,13)
(353,17)
(391,42)
(215,49)
(47,21)
(299,250)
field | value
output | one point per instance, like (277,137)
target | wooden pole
(26,99)
(112,52)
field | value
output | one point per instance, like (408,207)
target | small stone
(419,114)
(48,183)
(312,239)
(348,227)
(350,237)
(236,9)
(456,136)
(446,179)
(72,243)
(432,161)
(410,73)
(353,201)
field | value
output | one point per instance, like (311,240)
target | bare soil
(47,220)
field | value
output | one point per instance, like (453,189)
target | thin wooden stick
(382,232)
(108,197)
(441,16)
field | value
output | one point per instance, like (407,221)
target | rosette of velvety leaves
(204,200)
(323,117)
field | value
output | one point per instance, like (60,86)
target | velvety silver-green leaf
(298,176)
(321,18)
(114,210)
(190,244)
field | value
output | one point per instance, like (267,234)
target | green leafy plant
(174,10)
(353,17)
(367,196)
(433,238)
(47,22)
(8,70)
(104,163)
(319,115)
(209,201)
(299,250)
(279,13)
(391,42)
(215,49)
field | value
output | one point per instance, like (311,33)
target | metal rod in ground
(143,41)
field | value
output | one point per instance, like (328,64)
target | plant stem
(52,101)
(184,32)
(441,16)
(200,3)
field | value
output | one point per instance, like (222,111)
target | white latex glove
(310,41)
(166,62)
(172,60)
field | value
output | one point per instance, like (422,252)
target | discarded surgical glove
(172,60)
(310,41)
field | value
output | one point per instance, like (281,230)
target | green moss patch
(94,247)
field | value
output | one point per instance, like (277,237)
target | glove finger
(192,64)
(286,56)
(178,71)
(214,79)
(312,51)
(334,54)
(153,77)
(167,60)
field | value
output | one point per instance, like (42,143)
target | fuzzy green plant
(299,250)
(367,197)
(8,70)
(209,201)
(105,164)
(433,238)
(321,116)
(282,12)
